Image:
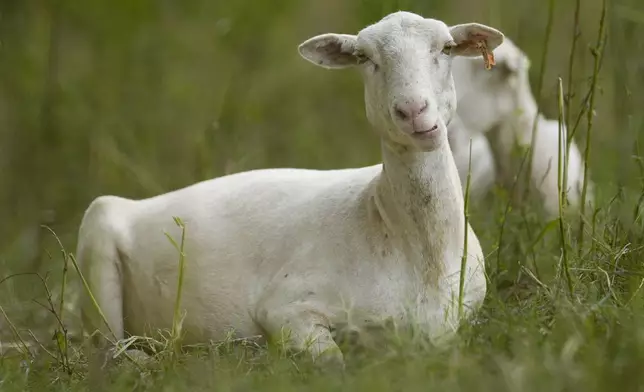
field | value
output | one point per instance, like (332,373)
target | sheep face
(488,98)
(406,63)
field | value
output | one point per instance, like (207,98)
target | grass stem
(176,319)
(561,158)
(542,73)
(461,286)
(597,54)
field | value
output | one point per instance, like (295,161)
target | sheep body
(309,236)
(304,250)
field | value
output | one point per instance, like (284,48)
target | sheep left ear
(471,37)
(330,50)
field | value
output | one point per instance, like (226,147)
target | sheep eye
(362,58)
(447,49)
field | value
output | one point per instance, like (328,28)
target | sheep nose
(409,110)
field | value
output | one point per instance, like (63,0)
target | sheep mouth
(425,133)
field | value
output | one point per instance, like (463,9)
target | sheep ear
(474,39)
(330,50)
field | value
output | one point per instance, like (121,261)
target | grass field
(136,98)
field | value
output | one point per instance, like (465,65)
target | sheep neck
(420,201)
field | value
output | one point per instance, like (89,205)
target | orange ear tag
(488,57)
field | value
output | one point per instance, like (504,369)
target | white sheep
(308,251)
(486,100)
(499,105)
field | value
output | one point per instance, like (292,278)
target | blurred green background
(138,97)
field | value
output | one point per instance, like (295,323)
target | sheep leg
(303,330)
(100,263)
(105,285)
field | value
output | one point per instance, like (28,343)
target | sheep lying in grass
(501,100)
(309,251)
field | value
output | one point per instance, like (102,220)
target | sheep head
(406,63)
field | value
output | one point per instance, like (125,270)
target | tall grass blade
(461,286)
(561,158)
(597,54)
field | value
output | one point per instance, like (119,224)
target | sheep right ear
(330,50)
(469,36)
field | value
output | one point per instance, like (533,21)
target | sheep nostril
(423,108)
(402,115)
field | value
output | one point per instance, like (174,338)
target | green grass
(528,336)
(138,98)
